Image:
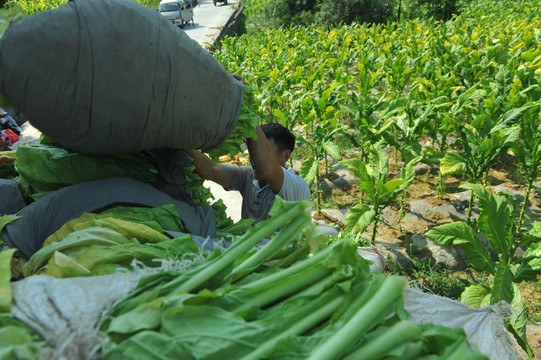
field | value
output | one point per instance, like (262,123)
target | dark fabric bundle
(113,76)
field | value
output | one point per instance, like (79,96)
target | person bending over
(266,178)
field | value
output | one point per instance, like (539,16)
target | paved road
(208,20)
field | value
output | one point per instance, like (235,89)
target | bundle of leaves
(276,302)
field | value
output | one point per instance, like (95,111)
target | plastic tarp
(485,326)
(43,217)
(114,76)
(65,312)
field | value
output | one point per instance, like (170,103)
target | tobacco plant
(323,144)
(483,143)
(496,223)
(528,154)
(379,192)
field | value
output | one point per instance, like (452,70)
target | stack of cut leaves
(276,303)
(98,244)
(46,167)
(17,339)
(43,168)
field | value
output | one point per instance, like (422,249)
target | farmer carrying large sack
(114,76)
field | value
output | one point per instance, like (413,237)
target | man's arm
(264,161)
(207,169)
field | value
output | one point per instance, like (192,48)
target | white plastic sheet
(65,311)
(485,326)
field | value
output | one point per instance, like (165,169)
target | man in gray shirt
(266,178)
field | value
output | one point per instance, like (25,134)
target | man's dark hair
(283,138)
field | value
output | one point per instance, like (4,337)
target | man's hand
(207,169)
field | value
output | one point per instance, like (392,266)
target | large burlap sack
(114,76)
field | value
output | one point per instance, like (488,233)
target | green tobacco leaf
(453,163)
(476,296)
(20,342)
(390,186)
(379,161)
(280,115)
(359,169)
(494,219)
(517,321)
(383,128)
(74,244)
(408,172)
(148,345)
(503,283)
(333,150)
(530,264)
(309,170)
(529,270)
(6,219)
(5,279)
(448,343)
(357,166)
(511,117)
(460,233)
(536,230)
(65,167)
(213,332)
(358,219)
(140,318)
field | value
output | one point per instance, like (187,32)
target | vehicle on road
(179,12)
(218,1)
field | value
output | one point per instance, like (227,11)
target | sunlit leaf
(358,219)
(452,163)
(309,170)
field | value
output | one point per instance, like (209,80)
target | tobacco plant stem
(363,320)
(298,328)
(274,245)
(287,286)
(244,245)
(470,209)
(524,205)
(395,336)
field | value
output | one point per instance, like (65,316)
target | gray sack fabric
(114,76)
(171,176)
(43,217)
(484,326)
(12,200)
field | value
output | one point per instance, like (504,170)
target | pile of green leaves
(98,244)
(17,340)
(276,303)
(45,168)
